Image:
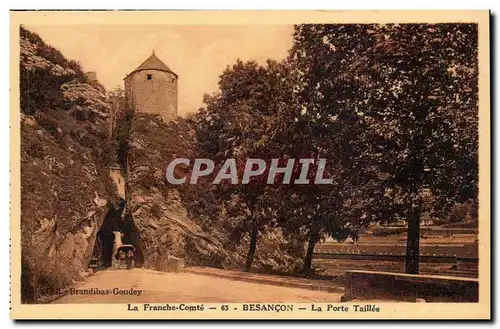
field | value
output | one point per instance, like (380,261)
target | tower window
(149,76)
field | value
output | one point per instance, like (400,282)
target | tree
(398,102)
(418,88)
(323,124)
(237,124)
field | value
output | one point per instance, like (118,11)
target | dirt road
(142,285)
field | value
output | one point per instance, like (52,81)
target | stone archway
(117,229)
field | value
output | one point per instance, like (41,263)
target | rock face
(64,152)
(160,216)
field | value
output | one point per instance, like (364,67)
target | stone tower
(152,88)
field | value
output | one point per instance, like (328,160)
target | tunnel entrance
(103,248)
(115,221)
(105,240)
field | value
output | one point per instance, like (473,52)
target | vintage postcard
(250,165)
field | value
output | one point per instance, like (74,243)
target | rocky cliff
(64,153)
(159,213)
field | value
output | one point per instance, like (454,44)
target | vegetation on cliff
(64,152)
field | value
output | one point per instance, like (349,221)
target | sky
(198,54)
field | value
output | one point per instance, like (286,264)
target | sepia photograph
(246,165)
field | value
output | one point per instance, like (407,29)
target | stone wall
(371,285)
(155,96)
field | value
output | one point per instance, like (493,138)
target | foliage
(321,124)
(421,106)
(413,87)
(392,107)
(121,136)
(238,123)
(460,212)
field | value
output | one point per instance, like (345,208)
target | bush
(460,212)
(32,37)
(77,67)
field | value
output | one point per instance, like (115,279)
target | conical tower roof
(154,63)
